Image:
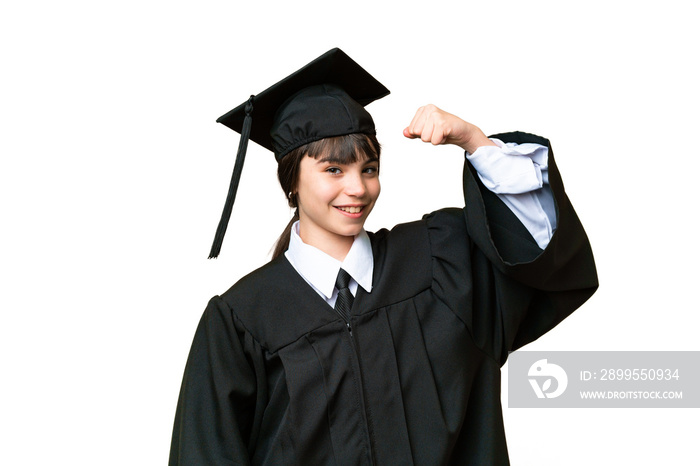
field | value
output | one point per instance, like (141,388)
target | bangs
(345,149)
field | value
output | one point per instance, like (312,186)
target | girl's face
(335,200)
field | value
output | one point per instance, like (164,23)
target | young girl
(352,347)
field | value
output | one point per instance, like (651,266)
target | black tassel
(233,187)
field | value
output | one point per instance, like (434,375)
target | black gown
(275,377)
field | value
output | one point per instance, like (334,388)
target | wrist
(476,139)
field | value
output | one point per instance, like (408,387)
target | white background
(114,174)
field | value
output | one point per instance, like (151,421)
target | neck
(336,246)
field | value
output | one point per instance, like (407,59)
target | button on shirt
(517,174)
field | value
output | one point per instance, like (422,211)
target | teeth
(351,210)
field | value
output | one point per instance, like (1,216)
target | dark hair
(339,149)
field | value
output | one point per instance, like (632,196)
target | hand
(436,126)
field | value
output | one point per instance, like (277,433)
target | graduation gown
(275,377)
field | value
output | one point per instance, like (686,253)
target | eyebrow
(331,159)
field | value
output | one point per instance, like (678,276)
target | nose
(355,185)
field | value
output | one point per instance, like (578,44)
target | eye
(333,170)
(371,170)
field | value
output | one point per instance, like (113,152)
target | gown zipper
(365,414)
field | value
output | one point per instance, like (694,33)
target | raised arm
(519,291)
(516,174)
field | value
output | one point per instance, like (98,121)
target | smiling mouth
(350,210)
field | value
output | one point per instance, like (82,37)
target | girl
(352,347)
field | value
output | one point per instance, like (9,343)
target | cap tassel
(233,187)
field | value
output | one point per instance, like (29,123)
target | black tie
(344,301)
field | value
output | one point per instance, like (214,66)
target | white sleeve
(517,173)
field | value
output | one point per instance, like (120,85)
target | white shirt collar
(320,270)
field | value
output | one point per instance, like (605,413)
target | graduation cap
(325,98)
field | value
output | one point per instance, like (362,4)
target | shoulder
(275,305)
(262,289)
(408,235)
(257,284)
(421,239)
(405,256)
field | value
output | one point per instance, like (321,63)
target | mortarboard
(323,99)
